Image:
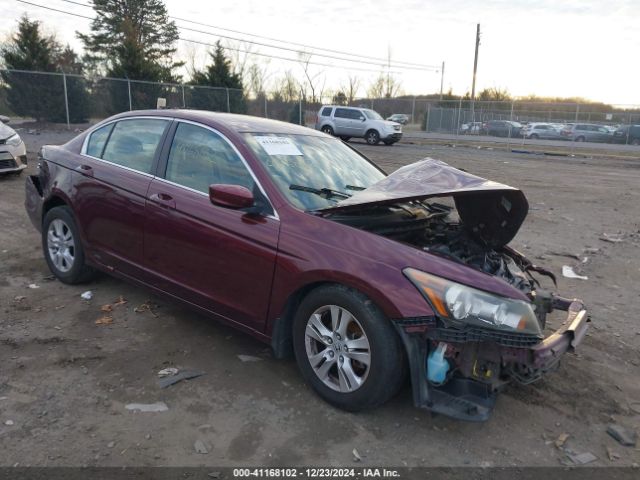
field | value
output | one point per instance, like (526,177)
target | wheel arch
(282,325)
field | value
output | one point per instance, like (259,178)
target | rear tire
(580,139)
(534,136)
(327,129)
(334,328)
(62,247)
(635,142)
(372,137)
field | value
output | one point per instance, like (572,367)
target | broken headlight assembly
(462,306)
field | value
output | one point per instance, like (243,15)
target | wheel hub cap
(337,348)
(61,245)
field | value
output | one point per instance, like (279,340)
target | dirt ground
(65,381)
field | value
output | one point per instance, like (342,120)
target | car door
(342,119)
(115,171)
(358,123)
(217,258)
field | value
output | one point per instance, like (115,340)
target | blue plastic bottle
(437,365)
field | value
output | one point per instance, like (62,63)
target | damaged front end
(477,340)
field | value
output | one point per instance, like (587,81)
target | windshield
(371,115)
(312,172)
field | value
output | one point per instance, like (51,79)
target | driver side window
(200,157)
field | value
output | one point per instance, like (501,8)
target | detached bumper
(33,200)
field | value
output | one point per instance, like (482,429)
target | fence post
(184,103)
(129,89)
(266,115)
(66,99)
(426,123)
(372,104)
(577,111)
(228,102)
(300,111)
(413,110)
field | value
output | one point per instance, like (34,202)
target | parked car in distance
(629,134)
(297,239)
(13,152)
(501,128)
(586,132)
(352,122)
(471,128)
(536,130)
(400,118)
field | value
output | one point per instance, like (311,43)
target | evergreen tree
(218,74)
(132,39)
(37,95)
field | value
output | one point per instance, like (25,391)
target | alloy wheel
(337,348)
(61,245)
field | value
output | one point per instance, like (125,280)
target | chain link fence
(76,99)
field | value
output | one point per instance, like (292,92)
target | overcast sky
(585,48)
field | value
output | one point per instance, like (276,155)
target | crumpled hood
(6,131)
(492,211)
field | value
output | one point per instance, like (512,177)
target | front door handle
(85,170)
(163,199)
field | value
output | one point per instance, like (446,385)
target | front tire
(346,349)
(62,247)
(372,137)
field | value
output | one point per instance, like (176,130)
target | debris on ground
(568,272)
(106,308)
(33,286)
(146,307)
(582,458)
(111,444)
(561,440)
(624,436)
(200,447)
(249,358)
(564,254)
(356,456)
(8,423)
(167,372)
(19,298)
(147,407)
(591,250)
(613,456)
(105,320)
(184,375)
(88,295)
(612,238)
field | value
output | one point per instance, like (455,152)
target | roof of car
(233,121)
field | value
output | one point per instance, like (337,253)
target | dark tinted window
(133,143)
(342,113)
(200,157)
(326,112)
(97,139)
(355,114)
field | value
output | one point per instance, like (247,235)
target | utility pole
(475,69)
(441,80)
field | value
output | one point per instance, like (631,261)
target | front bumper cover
(472,400)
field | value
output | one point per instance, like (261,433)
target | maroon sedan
(296,238)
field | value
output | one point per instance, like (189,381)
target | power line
(342,67)
(379,61)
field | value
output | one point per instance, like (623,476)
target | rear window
(133,143)
(97,140)
(326,112)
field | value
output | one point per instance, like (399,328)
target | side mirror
(231,196)
(362,119)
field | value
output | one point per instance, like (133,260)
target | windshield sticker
(278,145)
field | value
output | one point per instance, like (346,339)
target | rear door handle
(85,170)
(163,199)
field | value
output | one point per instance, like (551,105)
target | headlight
(14,140)
(463,305)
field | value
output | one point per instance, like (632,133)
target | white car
(13,153)
(547,131)
(352,122)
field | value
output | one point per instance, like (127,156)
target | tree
(132,39)
(219,74)
(35,94)
(351,88)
